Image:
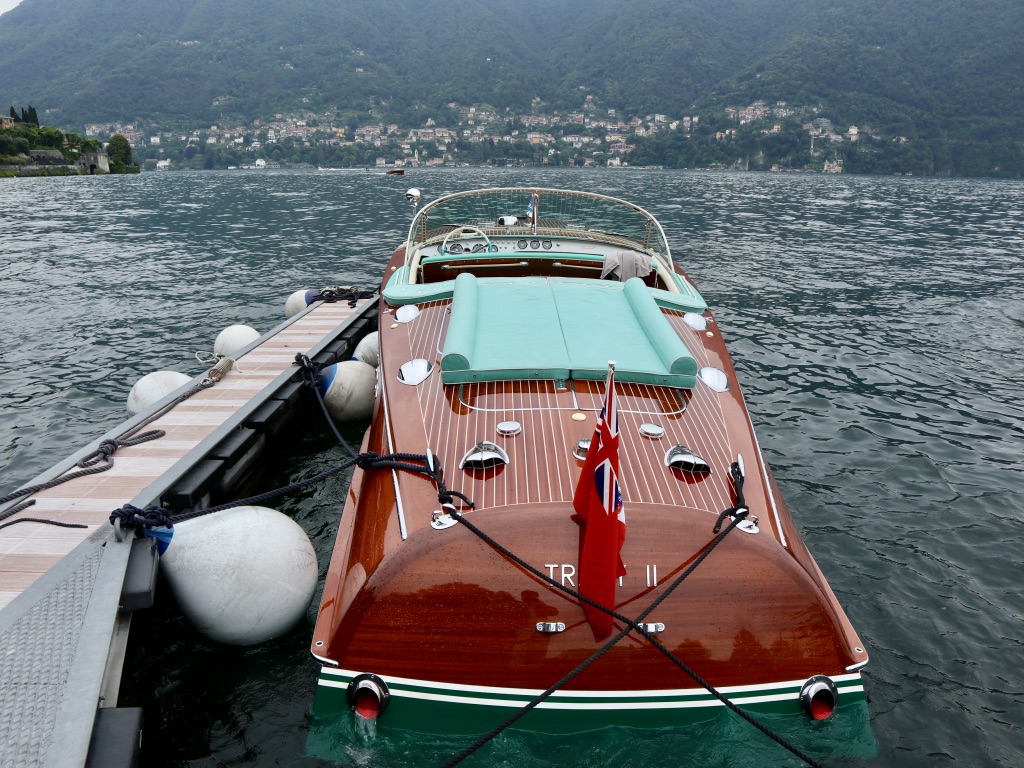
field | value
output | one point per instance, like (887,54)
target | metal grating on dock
(60,587)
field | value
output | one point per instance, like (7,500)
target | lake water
(876,325)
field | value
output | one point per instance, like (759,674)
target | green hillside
(943,70)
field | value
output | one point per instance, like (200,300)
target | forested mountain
(949,67)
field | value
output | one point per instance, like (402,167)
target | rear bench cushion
(556,328)
(502,329)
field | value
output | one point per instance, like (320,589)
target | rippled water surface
(876,325)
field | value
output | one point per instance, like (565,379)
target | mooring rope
(310,370)
(134,518)
(631,625)
(101,459)
(131,517)
(25,505)
(738,512)
(349,293)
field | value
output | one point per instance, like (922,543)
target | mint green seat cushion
(598,326)
(398,290)
(558,328)
(501,329)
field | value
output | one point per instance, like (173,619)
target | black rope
(741,504)
(17,508)
(631,624)
(25,505)
(311,377)
(129,517)
(348,293)
(432,468)
(101,459)
(44,522)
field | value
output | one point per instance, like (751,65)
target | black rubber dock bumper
(116,738)
(139,588)
(231,469)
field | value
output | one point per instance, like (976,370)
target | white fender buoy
(152,388)
(348,390)
(243,575)
(298,301)
(368,350)
(234,338)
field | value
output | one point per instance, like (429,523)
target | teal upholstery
(500,329)
(673,353)
(687,300)
(558,328)
(399,290)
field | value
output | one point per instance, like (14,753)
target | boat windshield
(519,212)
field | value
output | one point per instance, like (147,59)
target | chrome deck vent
(682,458)
(415,371)
(580,449)
(652,431)
(509,428)
(484,455)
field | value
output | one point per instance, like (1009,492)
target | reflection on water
(875,323)
(722,739)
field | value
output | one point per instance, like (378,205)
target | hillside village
(475,134)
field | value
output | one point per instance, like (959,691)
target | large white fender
(368,349)
(243,575)
(298,301)
(233,338)
(348,389)
(154,387)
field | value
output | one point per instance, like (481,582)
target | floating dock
(66,594)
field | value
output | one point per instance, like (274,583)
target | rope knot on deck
(138,520)
(100,458)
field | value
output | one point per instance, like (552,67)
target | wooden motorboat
(498,319)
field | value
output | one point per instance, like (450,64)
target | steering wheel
(466,230)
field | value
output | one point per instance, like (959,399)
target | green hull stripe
(583,700)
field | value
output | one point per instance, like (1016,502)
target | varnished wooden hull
(448,621)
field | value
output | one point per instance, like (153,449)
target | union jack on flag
(601,516)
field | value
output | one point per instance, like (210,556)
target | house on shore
(51,162)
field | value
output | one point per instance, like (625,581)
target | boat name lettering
(568,571)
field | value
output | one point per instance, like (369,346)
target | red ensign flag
(598,505)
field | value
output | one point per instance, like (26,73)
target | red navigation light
(368,696)
(819,697)
(367,703)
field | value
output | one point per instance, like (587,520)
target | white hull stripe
(580,706)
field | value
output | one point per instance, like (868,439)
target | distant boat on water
(396,172)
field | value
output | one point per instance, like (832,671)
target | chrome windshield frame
(554,213)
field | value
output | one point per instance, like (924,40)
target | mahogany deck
(542,469)
(28,550)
